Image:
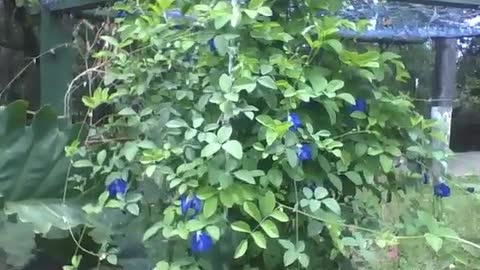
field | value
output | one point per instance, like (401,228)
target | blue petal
(304,152)
(196,205)
(295,120)
(121,14)
(211,44)
(360,105)
(185,204)
(201,242)
(441,190)
(117,186)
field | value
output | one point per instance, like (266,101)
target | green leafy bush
(248,136)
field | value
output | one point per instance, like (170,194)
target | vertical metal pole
(443,94)
(56,68)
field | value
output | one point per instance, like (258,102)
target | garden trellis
(442,21)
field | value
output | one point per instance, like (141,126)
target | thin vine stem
(32,61)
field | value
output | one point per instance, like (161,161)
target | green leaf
(241,226)
(314,205)
(241,249)
(265,11)
(255,4)
(287,244)
(210,149)
(162,265)
(177,123)
(337,182)
(393,150)
(210,206)
(314,228)
(267,203)
(271,136)
(335,44)
(245,176)
(252,210)
(45,214)
(332,204)
(83,163)
(374,151)
(304,260)
(110,40)
(386,162)
(224,134)
(225,83)
(130,150)
(289,257)
(320,193)
(152,230)
(234,148)
(267,81)
(112,259)
(18,243)
(214,232)
(354,177)
(360,149)
(434,241)
(307,192)
(221,44)
(347,97)
(335,85)
(270,228)
(259,239)
(280,216)
(33,164)
(133,209)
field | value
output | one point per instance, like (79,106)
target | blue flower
(441,190)
(426,179)
(211,44)
(360,106)
(194,203)
(117,186)
(295,120)
(471,189)
(201,242)
(121,14)
(304,152)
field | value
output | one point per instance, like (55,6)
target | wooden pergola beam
(449,3)
(72,5)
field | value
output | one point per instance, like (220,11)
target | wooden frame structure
(56,67)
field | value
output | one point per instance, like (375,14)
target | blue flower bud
(117,186)
(295,120)
(211,44)
(441,190)
(193,203)
(304,152)
(121,14)
(201,242)
(360,106)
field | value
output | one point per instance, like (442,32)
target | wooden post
(56,67)
(443,94)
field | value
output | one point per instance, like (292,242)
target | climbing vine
(247,135)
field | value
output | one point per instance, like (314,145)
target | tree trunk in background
(14,56)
